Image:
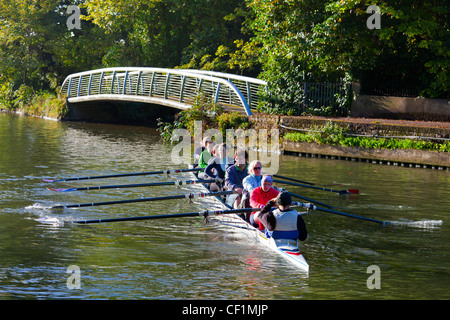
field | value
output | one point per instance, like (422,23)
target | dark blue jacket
(234,177)
(213,165)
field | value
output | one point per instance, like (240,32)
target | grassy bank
(342,136)
(40,104)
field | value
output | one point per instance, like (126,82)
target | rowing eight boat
(287,249)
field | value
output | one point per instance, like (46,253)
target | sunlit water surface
(186,259)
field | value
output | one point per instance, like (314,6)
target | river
(186,259)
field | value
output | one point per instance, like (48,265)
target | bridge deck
(175,88)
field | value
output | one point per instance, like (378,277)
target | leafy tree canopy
(286,42)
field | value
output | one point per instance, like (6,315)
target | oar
(167,216)
(348,191)
(300,181)
(312,207)
(177,183)
(181,196)
(124,175)
(295,180)
(310,200)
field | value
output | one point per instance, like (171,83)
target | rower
(283,224)
(234,176)
(198,151)
(217,167)
(260,196)
(252,181)
(205,156)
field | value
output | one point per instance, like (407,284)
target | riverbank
(44,105)
(371,128)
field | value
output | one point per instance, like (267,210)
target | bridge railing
(173,87)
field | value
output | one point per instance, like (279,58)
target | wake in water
(37,206)
(45,215)
(421,224)
(53,221)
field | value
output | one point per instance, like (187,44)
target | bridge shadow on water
(120,112)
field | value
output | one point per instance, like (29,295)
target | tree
(312,40)
(411,33)
(169,33)
(37,49)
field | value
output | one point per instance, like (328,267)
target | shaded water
(186,259)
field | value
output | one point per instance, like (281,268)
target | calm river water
(186,259)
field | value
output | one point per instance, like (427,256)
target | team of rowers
(252,189)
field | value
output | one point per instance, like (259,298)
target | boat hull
(289,251)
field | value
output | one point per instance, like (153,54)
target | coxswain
(283,224)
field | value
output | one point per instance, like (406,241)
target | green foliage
(38,51)
(315,40)
(210,114)
(6,95)
(335,135)
(290,41)
(170,33)
(203,109)
(231,120)
(47,104)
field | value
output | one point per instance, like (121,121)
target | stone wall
(363,126)
(401,108)
(400,157)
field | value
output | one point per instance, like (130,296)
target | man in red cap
(260,196)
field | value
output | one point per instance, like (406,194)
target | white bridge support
(176,88)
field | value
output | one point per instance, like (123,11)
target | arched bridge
(176,88)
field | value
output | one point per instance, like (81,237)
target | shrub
(211,115)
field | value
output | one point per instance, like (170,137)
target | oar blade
(52,180)
(349,191)
(61,189)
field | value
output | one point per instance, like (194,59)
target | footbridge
(175,88)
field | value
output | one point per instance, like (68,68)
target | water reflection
(183,258)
